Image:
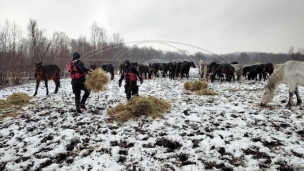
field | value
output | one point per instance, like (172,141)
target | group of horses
(289,73)
(170,69)
(228,72)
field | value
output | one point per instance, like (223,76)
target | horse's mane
(275,77)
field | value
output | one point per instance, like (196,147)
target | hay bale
(97,80)
(139,106)
(205,92)
(195,85)
(18,99)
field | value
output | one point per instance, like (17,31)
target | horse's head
(38,69)
(192,64)
(267,95)
(93,66)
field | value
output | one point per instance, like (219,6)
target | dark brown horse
(106,67)
(47,72)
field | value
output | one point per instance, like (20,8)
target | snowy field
(228,131)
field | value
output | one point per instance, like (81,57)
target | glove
(119,84)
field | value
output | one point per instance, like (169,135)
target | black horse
(144,70)
(47,72)
(107,68)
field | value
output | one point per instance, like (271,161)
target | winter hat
(76,55)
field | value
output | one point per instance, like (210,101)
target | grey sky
(218,26)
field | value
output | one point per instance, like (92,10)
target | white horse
(202,69)
(290,73)
(238,68)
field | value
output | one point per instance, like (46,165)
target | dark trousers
(77,91)
(131,88)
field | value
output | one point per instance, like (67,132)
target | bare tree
(98,39)
(12,65)
(40,44)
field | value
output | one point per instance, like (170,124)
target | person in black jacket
(78,74)
(130,75)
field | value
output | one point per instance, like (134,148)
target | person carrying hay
(130,75)
(78,73)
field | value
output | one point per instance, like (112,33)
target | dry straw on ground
(18,99)
(205,92)
(97,80)
(15,101)
(139,106)
(195,85)
(200,88)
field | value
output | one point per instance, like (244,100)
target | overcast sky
(218,26)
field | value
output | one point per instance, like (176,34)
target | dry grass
(4,104)
(200,88)
(18,99)
(205,92)
(139,106)
(195,85)
(6,115)
(97,80)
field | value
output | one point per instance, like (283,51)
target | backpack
(70,66)
(73,70)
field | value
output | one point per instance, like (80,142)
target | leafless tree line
(19,51)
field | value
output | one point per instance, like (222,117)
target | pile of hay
(195,85)
(97,80)
(18,99)
(4,104)
(205,92)
(200,88)
(139,106)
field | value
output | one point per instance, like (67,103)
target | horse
(219,70)
(144,70)
(290,73)
(202,68)
(106,67)
(47,72)
(184,68)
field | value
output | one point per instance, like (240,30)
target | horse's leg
(37,85)
(292,89)
(57,84)
(299,100)
(46,86)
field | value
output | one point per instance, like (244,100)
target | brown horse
(47,72)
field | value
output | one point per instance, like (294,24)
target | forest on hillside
(20,50)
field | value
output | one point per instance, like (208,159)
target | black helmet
(126,61)
(76,55)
